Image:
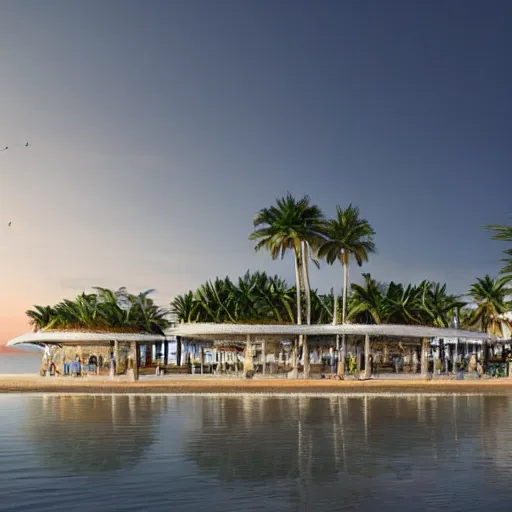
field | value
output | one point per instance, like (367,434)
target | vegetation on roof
(103,311)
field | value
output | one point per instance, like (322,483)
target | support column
(116,357)
(133,363)
(202,360)
(264,356)
(424,357)
(342,356)
(485,350)
(367,366)
(249,356)
(305,356)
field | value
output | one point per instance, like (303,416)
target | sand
(191,384)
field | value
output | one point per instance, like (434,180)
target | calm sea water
(29,362)
(244,453)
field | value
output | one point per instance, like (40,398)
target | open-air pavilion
(132,351)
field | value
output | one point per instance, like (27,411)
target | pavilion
(134,350)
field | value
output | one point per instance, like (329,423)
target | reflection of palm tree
(94,433)
(259,452)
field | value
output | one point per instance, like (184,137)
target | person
(333,359)
(113,363)
(371,364)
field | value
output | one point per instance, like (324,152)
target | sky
(158,129)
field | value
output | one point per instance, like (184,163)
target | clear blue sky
(158,129)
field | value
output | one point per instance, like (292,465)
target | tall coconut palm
(288,226)
(348,237)
(490,296)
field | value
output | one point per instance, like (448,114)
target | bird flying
(26,144)
(5,149)
(10,224)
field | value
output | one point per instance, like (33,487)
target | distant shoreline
(36,384)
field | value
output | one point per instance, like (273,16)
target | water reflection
(252,453)
(317,439)
(94,433)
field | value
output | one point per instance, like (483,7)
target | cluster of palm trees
(260,298)
(253,298)
(300,228)
(425,304)
(103,310)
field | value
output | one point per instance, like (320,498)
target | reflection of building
(92,433)
(336,447)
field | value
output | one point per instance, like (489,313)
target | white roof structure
(213,331)
(82,338)
(239,332)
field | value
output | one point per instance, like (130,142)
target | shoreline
(229,386)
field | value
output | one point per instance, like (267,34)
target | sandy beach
(31,384)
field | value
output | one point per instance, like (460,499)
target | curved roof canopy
(239,332)
(82,338)
(213,331)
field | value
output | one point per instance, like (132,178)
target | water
(188,453)
(29,362)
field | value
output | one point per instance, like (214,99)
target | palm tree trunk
(298,341)
(298,289)
(341,362)
(305,265)
(307,286)
(335,316)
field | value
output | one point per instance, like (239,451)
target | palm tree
(490,296)
(348,236)
(185,307)
(367,302)
(291,225)
(438,306)
(504,233)
(101,311)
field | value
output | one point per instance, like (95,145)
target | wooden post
(424,357)
(264,356)
(367,367)
(249,357)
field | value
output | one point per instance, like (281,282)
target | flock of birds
(5,149)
